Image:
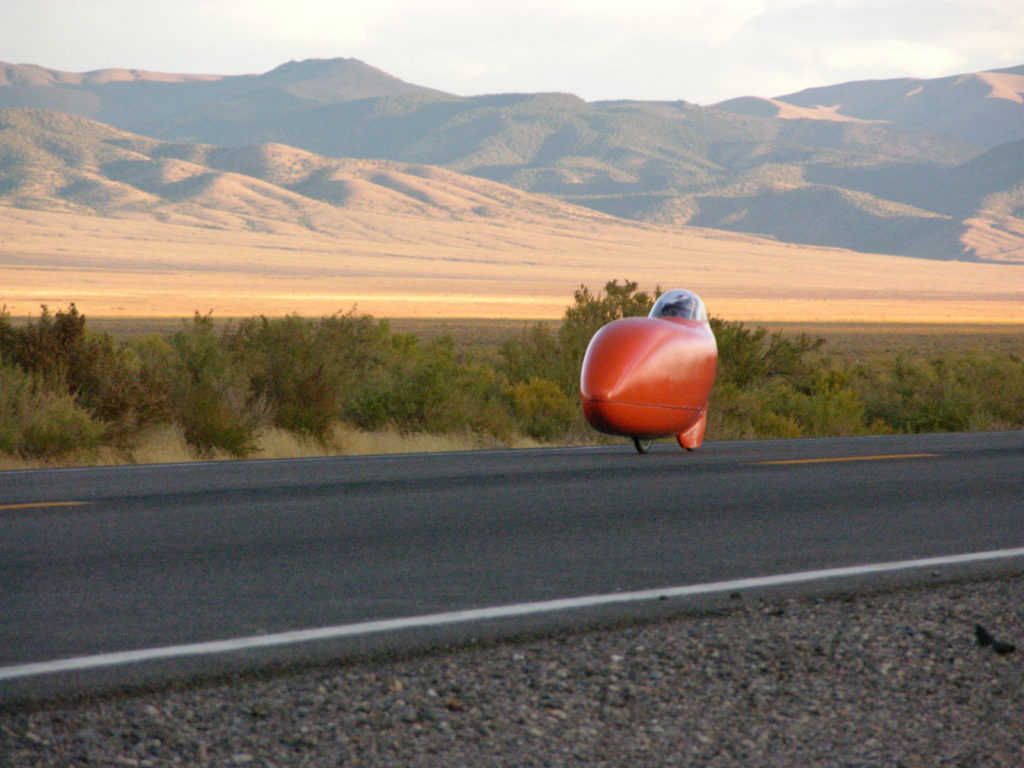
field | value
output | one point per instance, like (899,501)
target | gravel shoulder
(888,679)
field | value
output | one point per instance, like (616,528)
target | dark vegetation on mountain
(912,167)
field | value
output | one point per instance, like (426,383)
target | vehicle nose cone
(647,376)
(615,360)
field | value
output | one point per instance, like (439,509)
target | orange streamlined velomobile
(649,377)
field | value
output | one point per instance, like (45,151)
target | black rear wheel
(643,444)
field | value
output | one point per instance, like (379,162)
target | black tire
(643,444)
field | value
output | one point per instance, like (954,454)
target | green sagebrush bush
(777,409)
(542,408)
(428,388)
(36,421)
(211,397)
(310,373)
(304,370)
(772,386)
(748,357)
(103,378)
(944,394)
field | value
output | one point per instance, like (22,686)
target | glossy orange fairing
(648,377)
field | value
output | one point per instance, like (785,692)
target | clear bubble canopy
(680,303)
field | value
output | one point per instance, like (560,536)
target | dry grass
(354,442)
(349,441)
(167,445)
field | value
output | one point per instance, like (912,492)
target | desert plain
(521,266)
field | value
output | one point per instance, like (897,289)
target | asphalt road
(99,560)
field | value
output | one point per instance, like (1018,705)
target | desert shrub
(557,356)
(121,390)
(360,342)
(737,413)
(156,361)
(731,413)
(751,356)
(829,409)
(542,408)
(57,349)
(998,382)
(37,421)
(369,406)
(18,400)
(914,395)
(57,426)
(407,391)
(104,377)
(479,400)
(47,347)
(535,352)
(285,366)
(944,394)
(213,419)
(211,397)
(310,372)
(769,424)
(427,388)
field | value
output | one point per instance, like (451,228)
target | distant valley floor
(406,267)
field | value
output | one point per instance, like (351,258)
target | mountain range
(924,168)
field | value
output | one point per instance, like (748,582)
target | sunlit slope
(983,107)
(57,162)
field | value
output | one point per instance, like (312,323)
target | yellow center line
(883,457)
(41,504)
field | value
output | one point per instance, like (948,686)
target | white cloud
(805,43)
(650,49)
(912,58)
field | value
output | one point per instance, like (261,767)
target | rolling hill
(892,166)
(58,162)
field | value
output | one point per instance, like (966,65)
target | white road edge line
(481,614)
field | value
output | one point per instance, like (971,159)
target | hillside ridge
(58,162)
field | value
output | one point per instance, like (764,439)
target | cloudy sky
(702,51)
